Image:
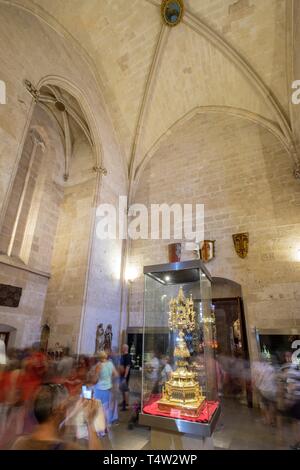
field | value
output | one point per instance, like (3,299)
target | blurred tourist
(166,370)
(50,408)
(124,369)
(293,398)
(265,381)
(104,374)
(65,365)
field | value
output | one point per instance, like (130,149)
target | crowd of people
(271,383)
(65,402)
(274,381)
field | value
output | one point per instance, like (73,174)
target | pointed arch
(272,127)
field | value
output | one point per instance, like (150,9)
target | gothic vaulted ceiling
(226,56)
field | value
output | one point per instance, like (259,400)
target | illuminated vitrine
(179,390)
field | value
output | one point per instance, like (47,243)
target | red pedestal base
(206,413)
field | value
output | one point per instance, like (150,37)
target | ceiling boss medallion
(172,11)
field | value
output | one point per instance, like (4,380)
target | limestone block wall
(30,264)
(64,302)
(36,51)
(245,179)
(103,302)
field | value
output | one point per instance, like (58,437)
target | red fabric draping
(207,411)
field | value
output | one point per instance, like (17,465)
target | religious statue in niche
(99,338)
(237,335)
(58,351)
(108,335)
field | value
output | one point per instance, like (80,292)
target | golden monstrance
(182,391)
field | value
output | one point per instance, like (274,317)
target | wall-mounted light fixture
(131,273)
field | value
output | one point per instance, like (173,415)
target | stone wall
(29,265)
(64,302)
(245,179)
(36,51)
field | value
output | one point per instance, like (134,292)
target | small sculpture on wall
(3,359)
(108,335)
(99,338)
(58,351)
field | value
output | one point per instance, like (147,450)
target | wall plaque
(10,295)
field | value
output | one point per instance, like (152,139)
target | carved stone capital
(99,169)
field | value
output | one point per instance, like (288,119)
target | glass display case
(179,387)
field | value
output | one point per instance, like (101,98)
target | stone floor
(242,428)
(239,428)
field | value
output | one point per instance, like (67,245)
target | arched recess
(232,332)
(82,189)
(81,99)
(85,108)
(41,151)
(57,214)
(230,111)
(224,288)
(45,334)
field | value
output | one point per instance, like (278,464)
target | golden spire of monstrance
(182,391)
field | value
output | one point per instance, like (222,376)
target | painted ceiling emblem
(172,11)
(241,244)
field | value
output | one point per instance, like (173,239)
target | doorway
(233,351)
(231,330)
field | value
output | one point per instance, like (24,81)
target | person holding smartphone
(50,410)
